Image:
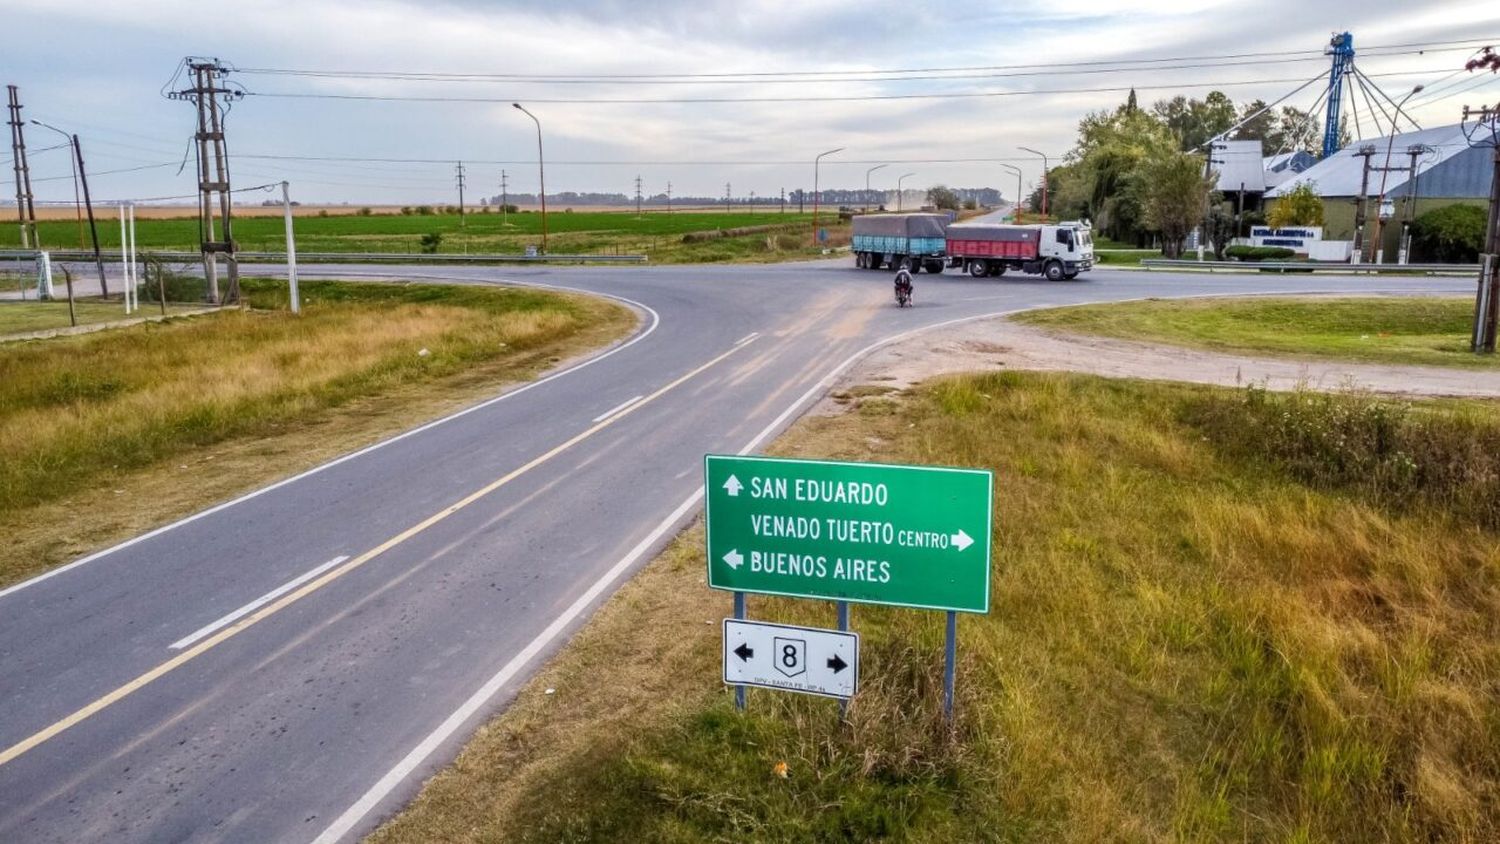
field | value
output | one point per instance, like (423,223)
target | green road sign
(911,536)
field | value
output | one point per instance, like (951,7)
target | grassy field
(24,317)
(1217,616)
(656,234)
(1429,331)
(106,434)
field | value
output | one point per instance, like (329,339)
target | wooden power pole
(1487,299)
(25,208)
(215,232)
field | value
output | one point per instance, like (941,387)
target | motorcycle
(903,289)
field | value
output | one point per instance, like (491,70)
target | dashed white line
(616,409)
(747,338)
(254,605)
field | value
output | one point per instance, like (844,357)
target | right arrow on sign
(962,540)
(734,559)
(837,664)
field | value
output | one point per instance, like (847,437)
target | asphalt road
(466,552)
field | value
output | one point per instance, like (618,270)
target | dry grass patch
(105,434)
(1187,641)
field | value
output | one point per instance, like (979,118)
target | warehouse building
(1431,169)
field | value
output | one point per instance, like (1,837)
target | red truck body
(994,241)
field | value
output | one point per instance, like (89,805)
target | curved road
(290,665)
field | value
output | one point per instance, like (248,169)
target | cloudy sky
(98,68)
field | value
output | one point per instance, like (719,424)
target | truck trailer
(900,241)
(1058,252)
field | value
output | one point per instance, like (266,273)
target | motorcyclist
(903,288)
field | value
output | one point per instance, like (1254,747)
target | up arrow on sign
(733,486)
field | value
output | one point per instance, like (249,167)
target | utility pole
(25,209)
(1357,254)
(459,175)
(210,97)
(83,177)
(291,250)
(1403,255)
(726,197)
(669,197)
(1487,299)
(504,199)
(752,202)
(638,196)
(783,200)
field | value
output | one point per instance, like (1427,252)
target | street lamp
(1017,215)
(898,189)
(541,172)
(1045,168)
(1384,172)
(867,183)
(88,203)
(816,161)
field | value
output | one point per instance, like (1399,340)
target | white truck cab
(1071,243)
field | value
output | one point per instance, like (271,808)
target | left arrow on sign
(733,486)
(744,652)
(734,559)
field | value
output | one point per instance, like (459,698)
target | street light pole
(1386,171)
(541,172)
(898,189)
(1045,168)
(817,160)
(87,202)
(867,183)
(1017,215)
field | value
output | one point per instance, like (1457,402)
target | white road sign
(793,659)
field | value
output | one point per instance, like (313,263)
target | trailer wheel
(860,261)
(906,263)
(1053,270)
(999,269)
(933,266)
(977,269)
(872,260)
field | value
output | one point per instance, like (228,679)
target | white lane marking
(254,605)
(346,822)
(747,338)
(616,409)
(655,321)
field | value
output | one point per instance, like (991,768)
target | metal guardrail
(1309,267)
(350,257)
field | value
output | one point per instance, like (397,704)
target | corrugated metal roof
(1449,167)
(1294,162)
(1238,164)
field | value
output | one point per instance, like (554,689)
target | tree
(1300,206)
(1174,192)
(1219,228)
(1449,235)
(940,196)
(1262,127)
(1196,121)
(1102,184)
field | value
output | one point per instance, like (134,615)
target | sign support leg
(739,613)
(950,658)
(843,609)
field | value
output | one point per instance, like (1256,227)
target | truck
(900,241)
(1059,251)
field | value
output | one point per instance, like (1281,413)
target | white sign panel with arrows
(793,659)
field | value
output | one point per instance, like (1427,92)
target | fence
(1310,267)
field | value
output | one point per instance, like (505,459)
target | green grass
(1190,639)
(1432,331)
(84,413)
(23,317)
(584,232)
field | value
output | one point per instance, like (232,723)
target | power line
(834,75)
(801,99)
(632,163)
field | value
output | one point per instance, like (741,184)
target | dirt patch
(1002,344)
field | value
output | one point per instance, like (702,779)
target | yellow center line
(269,610)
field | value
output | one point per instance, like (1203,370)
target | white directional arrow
(962,540)
(734,559)
(733,486)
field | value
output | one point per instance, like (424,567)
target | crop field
(573,232)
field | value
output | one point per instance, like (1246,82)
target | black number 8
(789,656)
